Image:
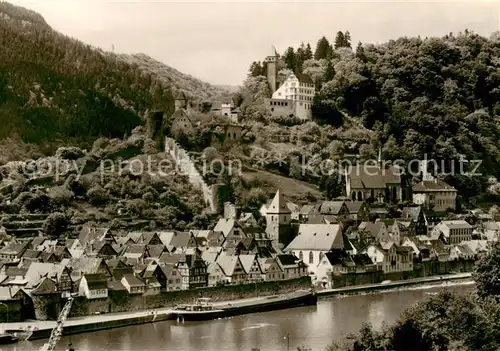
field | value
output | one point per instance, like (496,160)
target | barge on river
(203,309)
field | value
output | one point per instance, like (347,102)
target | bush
(70,153)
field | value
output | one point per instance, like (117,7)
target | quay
(366,288)
(76,325)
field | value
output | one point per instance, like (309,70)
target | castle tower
(180,101)
(271,63)
(278,216)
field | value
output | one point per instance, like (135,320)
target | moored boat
(7,338)
(201,310)
(204,309)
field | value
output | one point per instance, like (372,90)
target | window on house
(311,257)
(301,255)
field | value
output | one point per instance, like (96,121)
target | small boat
(201,310)
(7,338)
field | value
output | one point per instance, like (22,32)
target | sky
(216,41)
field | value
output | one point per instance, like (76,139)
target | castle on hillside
(294,97)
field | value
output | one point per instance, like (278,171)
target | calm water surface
(315,327)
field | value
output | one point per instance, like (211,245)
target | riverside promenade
(42,329)
(393,284)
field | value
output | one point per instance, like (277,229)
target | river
(315,326)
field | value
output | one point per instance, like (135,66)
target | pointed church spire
(278,205)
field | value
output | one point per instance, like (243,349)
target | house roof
(90,234)
(227,263)
(457,224)
(180,239)
(412,212)
(287,260)
(354,206)
(225,225)
(278,205)
(304,78)
(132,280)
(37,270)
(13,249)
(170,258)
(116,286)
(37,241)
(317,237)
(331,207)
(155,250)
(31,253)
(96,281)
(431,186)
(135,236)
(247,262)
(373,177)
(85,265)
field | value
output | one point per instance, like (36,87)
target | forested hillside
(54,88)
(434,96)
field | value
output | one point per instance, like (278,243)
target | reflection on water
(315,326)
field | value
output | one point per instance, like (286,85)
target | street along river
(315,326)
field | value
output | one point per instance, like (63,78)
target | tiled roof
(96,281)
(432,185)
(278,205)
(373,177)
(247,262)
(317,237)
(227,263)
(331,207)
(132,280)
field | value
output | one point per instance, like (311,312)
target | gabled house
(87,265)
(153,274)
(358,210)
(232,268)
(252,266)
(118,268)
(133,284)
(454,231)
(174,277)
(135,251)
(151,239)
(13,251)
(216,275)
(90,234)
(215,239)
(338,262)
(417,217)
(93,286)
(390,257)
(285,267)
(103,249)
(58,273)
(313,241)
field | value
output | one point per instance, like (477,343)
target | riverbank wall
(121,301)
(420,270)
(367,288)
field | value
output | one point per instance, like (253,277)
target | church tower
(278,217)
(271,63)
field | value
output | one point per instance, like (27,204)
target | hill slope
(54,88)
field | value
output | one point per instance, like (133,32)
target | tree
(55,224)
(322,49)
(360,52)
(308,54)
(290,58)
(256,69)
(343,40)
(331,185)
(339,40)
(487,274)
